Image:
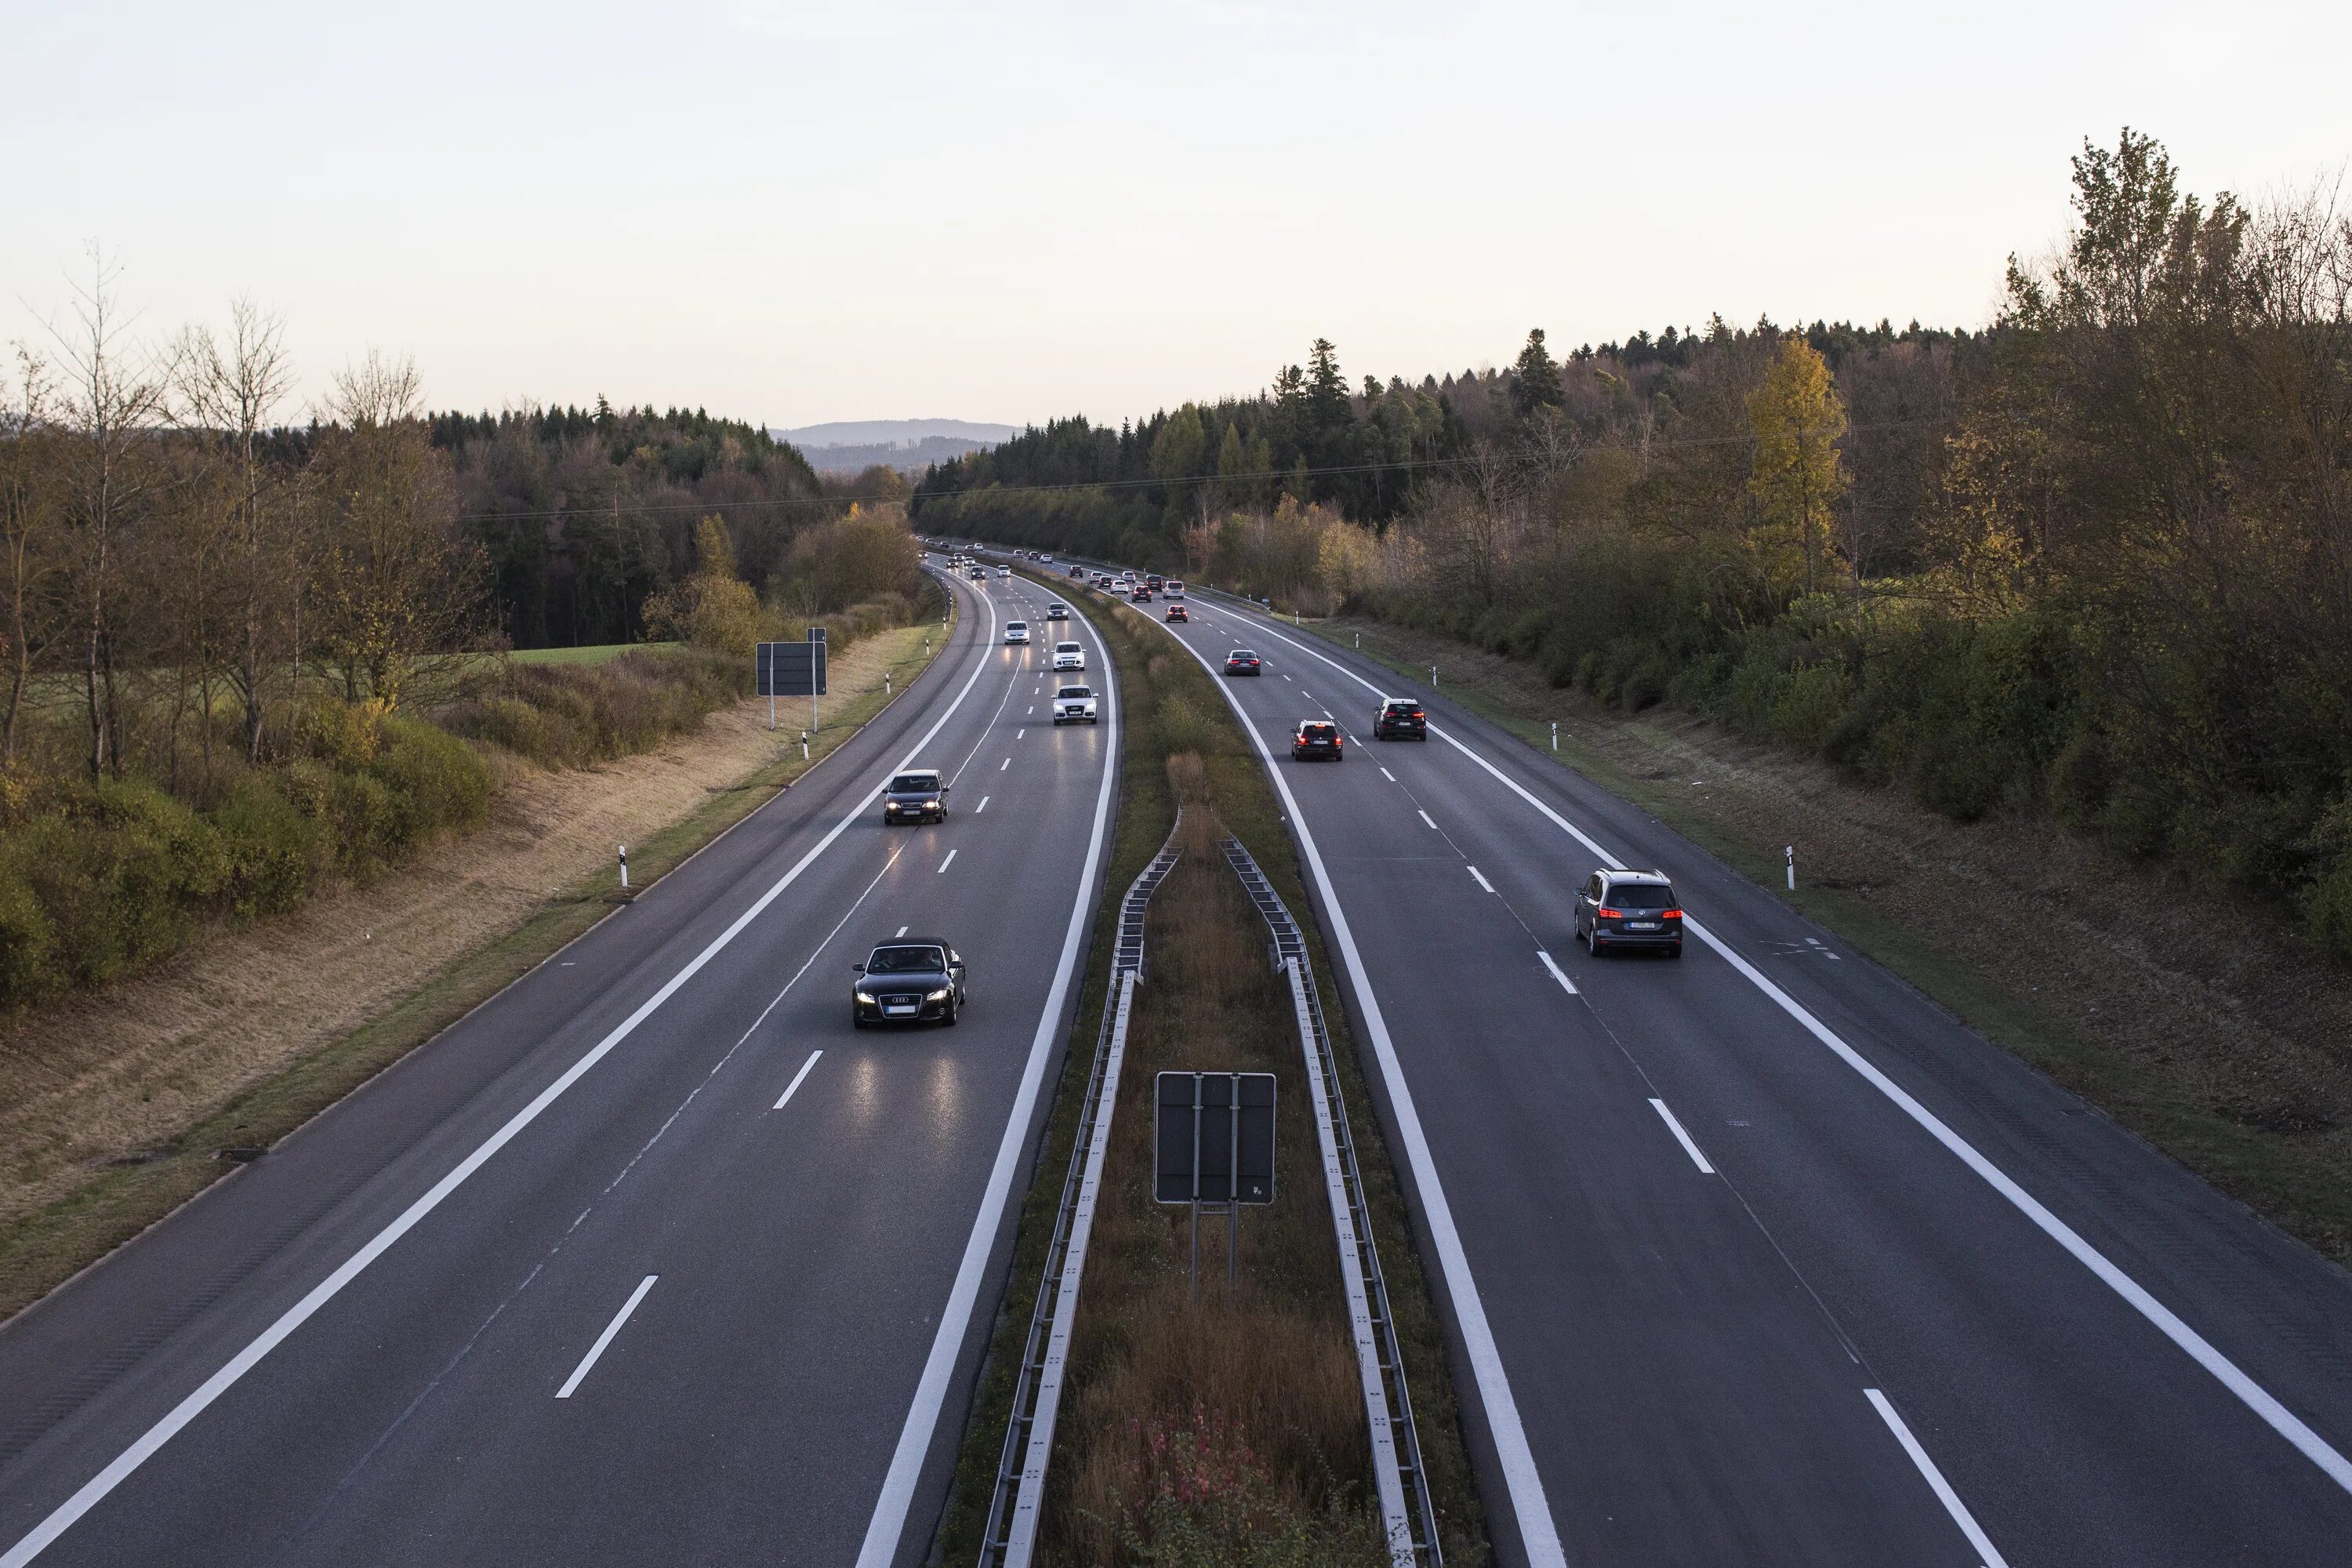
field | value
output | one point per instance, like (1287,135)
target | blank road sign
(792,669)
(1213,1138)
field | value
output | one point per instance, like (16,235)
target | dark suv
(1401,718)
(913,981)
(1629,909)
(1316,739)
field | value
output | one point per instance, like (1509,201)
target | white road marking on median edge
(1557,972)
(1942,1489)
(1385,774)
(1538,1536)
(93,1491)
(883,1531)
(606,1338)
(2166,1321)
(948,861)
(1683,1138)
(1425,817)
(804,1066)
(1481,880)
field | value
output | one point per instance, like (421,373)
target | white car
(1069,655)
(1074,705)
(1057,611)
(1044,560)
(1017,631)
(1004,571)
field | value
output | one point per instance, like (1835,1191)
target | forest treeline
(242,655)
(2093,562)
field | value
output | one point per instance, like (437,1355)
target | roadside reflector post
(625,867)
(1555,734)
(1433,678)
(1792,867)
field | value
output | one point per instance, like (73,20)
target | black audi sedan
(1242,662)
(1629,910)
(916,980)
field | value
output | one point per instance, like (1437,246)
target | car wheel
(953,1010)
(857,1018)
(1675,951)
(1600,948)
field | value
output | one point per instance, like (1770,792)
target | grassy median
(1234,1432)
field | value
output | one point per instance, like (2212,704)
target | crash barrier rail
(1398,1477)
(1016,1505)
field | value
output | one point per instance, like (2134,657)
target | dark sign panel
(792,668)
(1212,1137)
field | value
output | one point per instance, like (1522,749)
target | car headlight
(931,805)
(938,995)
(867,998)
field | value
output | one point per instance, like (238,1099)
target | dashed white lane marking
(1004,764)
(1557,972)
(804,1066)
(1018,733)
(1385,774)
(975,810)
(1286,677)
(1425,817)
(1033,708)
(1942,1489)
(1481,880)
(1683,1138)
(606,1337)
(948,861)
(902,930)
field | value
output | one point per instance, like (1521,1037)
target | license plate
(1641,925)
(906,1008)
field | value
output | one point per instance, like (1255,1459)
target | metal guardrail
(1401,1483)
(1015,1508)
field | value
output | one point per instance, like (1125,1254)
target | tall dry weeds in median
(1229,1431)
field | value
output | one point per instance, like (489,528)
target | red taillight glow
(1671,915)
(1606,913)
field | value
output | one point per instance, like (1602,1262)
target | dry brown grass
(1267,1361)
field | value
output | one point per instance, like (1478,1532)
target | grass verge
(47,1246)
(1170,707)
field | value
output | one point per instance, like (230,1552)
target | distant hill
(851,446)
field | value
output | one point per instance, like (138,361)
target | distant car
(912,980)
(1175,589)
(1004,571)
(1074,705)
(1044,560)
(980,574)
(1176,613)
(1078,572)
(1241,661)
(1140,595)
(1017,631)
(1401,718)
(1069,655)
(1057,611)
(1155,584)
(1316,738)
(1629,909)
(918,794)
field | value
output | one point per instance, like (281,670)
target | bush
(274,852)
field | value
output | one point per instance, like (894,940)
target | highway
(651,1258)
(1760,1256)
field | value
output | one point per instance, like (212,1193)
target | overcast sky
(795,212)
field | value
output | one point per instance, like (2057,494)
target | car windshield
(1642,896)
(906,961)
(1315,732)
(914,784)
(1077,691)
(1406,708)
(1065,647)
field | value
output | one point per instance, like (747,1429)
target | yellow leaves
(1798,419)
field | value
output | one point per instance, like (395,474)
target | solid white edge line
(93,1491)
(2198,1349)
(1682,1136)
(1385,774)
(1425,817)
(1539,1535)
(791,1088)
(1557,972)
(606,1338)
(898,1495)
(1935,1482)
(948,862)
(1480,879)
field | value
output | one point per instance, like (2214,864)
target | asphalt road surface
(650,1259)
(1758,1257)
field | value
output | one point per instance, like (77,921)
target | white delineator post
(625,867)
(1792,867)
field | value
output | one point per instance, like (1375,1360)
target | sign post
(1213,1148)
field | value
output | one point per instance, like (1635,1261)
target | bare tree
(114,409)
(234,389)
(31,571)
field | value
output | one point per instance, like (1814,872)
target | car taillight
(1670,914)
(1606,913)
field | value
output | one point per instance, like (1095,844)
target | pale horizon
(797,215)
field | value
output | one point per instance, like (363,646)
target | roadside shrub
(1810,703)
(274,852)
